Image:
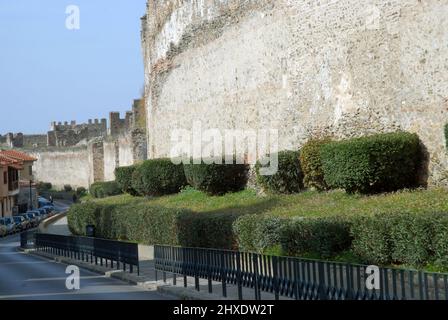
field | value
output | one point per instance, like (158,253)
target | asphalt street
(27,277)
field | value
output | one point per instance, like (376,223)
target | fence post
(256,278)
(209,272)
(223,274)
(321,289)
(238,275)
(275,277)
(173,269)
(196,269)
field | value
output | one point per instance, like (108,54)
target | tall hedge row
(378,163)
(144,223)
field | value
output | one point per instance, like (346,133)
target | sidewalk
(147,279)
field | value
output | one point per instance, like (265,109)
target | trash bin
(90,230)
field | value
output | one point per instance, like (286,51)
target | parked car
(3,231)
(10,225)
(29,219)
(42,213)
(33,217)
(49,209)
(21,223)
(3,228)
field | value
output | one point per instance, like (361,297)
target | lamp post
(31,196)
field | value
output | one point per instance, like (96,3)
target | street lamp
(31,195)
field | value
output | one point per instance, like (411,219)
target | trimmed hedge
(217,179)
(323,237)
(258,232)
(123,176)
(105,189)
(402,238)
(311,162)
(144,223)
(378,163)
(158,177)
(289,177)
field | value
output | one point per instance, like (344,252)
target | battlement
(70,134)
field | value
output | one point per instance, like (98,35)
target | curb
(44,224)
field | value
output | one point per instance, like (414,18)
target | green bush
(143,223)
(207,230)
(378,163)
(123,176)
(323,237)
(217,179)
(401,238)
(440,239)
(311,163)
(68,188)
(258,233)
(81,191)
(158,177)
(289,177)
(371,239)
(105,189)
(44,186)
(410,235)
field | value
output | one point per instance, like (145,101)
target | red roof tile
(17,155)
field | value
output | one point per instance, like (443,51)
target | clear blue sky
(49,73)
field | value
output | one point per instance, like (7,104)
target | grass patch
(306,204)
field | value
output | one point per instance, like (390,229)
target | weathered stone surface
(345,68)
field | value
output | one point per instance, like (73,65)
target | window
(5,177)
(30,170)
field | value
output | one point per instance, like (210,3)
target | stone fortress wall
(81,154)
(343,68)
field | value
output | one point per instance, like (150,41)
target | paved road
(27,277)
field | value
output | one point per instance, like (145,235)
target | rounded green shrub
(123,176)
(289,176)
(81,191)
(311,163)
(105,189)
(158,177)
(378,163)
(68,188)
(217,179)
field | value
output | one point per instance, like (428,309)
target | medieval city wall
(343,68)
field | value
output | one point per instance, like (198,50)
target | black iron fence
(297,278)
(27,238)
(93,250)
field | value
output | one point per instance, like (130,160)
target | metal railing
(27,238)
(93,250)
(295,278)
